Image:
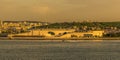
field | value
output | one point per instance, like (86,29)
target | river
(57,50)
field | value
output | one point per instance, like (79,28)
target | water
(56,50)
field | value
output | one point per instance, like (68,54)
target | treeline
(112,35)
(101,25)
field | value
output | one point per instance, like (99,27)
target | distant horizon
(60,22)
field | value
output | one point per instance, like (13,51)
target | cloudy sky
(60,10)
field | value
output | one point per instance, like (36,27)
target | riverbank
(39,38)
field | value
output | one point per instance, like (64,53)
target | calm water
(70,50)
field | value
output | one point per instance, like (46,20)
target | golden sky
(60,10)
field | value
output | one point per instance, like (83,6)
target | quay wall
(39,38)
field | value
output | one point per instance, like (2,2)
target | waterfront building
(61,33)
(46,32)
(94,33)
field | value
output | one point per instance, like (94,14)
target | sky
(60,10)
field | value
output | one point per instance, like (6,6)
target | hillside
(101,25)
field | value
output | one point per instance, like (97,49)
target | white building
(62,33)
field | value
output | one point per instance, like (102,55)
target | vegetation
(3,35)
(112,35)
(52,33)
(101,25)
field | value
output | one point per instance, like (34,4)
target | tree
(52,33)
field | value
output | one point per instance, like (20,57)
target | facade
(84,34)
(45,32)
(61,33)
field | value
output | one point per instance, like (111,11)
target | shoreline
(39,38)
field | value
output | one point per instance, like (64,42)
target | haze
(60,10)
